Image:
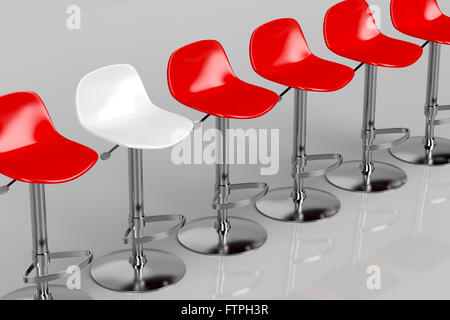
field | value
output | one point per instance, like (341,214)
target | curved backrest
(24,120)
(197,67)
(109,93)
(347,23)
(276,43)
(405,13)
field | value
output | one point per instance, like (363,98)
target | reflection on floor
(403,233)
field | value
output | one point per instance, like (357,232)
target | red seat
(350,31)
(279,52)
(421,19)
(200,76)
(31,150)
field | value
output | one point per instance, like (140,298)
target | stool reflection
(418,251)
(349,281)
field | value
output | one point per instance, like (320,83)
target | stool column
(428,150)
(222,234)
(299,152)
(222,177)
(39,235)
(136,189)
(126,271)
(431,105)
(368,125)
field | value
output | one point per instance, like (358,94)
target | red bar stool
(200,76)
(351,32)
(32,151)
(279,52)
(423,19)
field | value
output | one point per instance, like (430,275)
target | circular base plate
(58,292)
(318,205)
(200,236)
(114,271)
(413,151)
(384,177)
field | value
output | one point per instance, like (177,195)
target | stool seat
(112,103)
(31,150)
(422,19)
(279,52)
(316,75)
(382,51)
(350,31)
(147,129)
(213,87)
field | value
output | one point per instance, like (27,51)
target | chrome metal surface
(428,150)
(316,205)
(157,236)
(136,196)
(413,151)
(368,124)
(58,292)
(244,202)
(115,272)
(87,255)
(369,176)
(387,145)
(4,189)
(42,257)
(106,155)
(431,103)
(321,172)
(222,225)
(201,237)
(39,238)
(221,235)
(132,271)
(383,177)
(299,204)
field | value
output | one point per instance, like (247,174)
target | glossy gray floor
(404,232)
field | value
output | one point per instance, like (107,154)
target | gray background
(39,53)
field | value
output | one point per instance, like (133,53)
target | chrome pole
(222,177)
(431,104)
(368,125)
(428,150)
(136,189)
(299,152)
(39,236)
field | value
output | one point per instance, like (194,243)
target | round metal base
(57,292)
(318,205)
(384,177)
(114,272)
(413,151)
(201,237)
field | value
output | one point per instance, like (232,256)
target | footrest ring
(157,236)
(442,121)
(59,275)
(244,202)
(321,172)
(388,145)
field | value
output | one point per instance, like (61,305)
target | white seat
(113,104)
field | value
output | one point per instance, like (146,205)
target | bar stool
(351,32)
(112,104)
(279,52)
(424,20)
(32,151)
(200,76)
